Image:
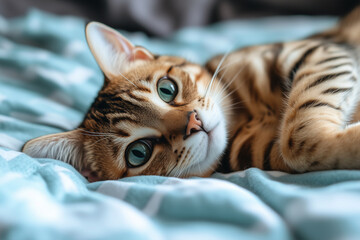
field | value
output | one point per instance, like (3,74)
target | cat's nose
(194,124)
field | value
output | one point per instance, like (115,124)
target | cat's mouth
(212,136)
(214,145)
(212,129)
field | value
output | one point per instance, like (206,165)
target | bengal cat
(285,106)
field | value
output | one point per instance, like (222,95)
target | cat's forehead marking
(192,69)
(176,65)
(146,132)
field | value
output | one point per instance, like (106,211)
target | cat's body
(297,102)
(285,106)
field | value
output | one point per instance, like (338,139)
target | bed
(48,79)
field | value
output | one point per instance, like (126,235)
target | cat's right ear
(112,51)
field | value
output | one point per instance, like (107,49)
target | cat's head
(155,115)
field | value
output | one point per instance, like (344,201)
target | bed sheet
(48,79)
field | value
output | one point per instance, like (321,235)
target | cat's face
(153,116)
(161,126)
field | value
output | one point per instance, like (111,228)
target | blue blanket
(48,79)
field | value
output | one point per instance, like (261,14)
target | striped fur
(130,109)
(299,100)
(131,113)
(286,106)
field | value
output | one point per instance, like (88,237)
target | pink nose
(194,124)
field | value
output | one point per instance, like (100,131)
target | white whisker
(96,134)
(92,144)
(128,80)
(231,81)
(216,72)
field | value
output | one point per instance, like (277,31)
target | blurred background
(163,17)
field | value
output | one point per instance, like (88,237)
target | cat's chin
(215,146)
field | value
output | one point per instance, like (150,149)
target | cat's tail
(346,31)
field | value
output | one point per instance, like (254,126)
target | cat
(284,106)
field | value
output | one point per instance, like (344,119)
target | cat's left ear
(66,146)
(112,51)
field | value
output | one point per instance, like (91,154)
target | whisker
(234,104)
(216,72)
(171,171)
(90,133)
(231,81)
(228,94)
(92,144)
(227,85)
(128,80)
(96,135)
(231,108)
(230,64)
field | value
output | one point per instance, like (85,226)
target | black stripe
(98,117)
(331,59)
(266,161)
(149,78)
(290,142)
(102,106)
(170,68)
(106,95)
(237,132)
(177,65)
(122,133)
(274,73)
(340,65)
(245,155)
(110,103)
(116,149)
(315,163)
(131,95)
(336,90)
(143,89)
(301,147)
(327,78)
(180,64)
(298,64)
(116,120)
(313,147)
(303,125)
(316,103)
(102,118)
(224,165)
(302,76)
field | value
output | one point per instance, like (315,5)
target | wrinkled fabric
(48,79)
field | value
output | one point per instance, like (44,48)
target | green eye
(138,153)
(167,89)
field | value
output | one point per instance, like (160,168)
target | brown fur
(287,106)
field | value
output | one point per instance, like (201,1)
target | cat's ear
(66,146)
(112,51)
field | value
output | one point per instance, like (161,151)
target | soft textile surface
(47,81)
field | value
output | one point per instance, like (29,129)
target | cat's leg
(254,145)
(316,133)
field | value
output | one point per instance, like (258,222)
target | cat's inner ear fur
(66,146)
(112,51)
